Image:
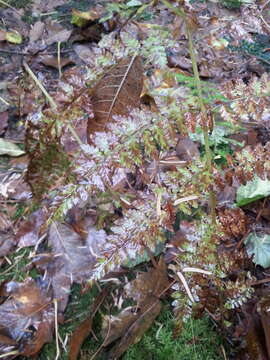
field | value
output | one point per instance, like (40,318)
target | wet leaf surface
(27,316)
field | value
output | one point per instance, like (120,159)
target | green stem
(208,153)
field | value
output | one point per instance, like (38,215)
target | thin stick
(50,100)
(4,101)
(104,342)
(42,88)
(40,51)
(59,58)
(9,6)
(56,329)
(14,352)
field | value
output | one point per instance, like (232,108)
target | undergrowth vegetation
(142,177)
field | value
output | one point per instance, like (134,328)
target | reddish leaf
(116,92)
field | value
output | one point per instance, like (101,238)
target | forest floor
(135,179)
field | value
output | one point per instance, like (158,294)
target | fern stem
(208,153)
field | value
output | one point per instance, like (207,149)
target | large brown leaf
(26,317)
(129,326)
(116,93)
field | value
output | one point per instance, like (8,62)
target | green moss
(198,341)
(15,270)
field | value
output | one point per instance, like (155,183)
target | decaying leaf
(116,93)
(36,31)
(83,330)
(28,233)
(130,325)
(52,61)
(26,317)
(72,259)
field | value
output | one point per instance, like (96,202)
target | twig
(30,54)
(11,7)
(56,329)
(50,100)
(14,352)
(42,88)
(4,101)
(104,342)
(59,58)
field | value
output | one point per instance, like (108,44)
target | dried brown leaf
(130,324)
(26,316)
(116,93)
(52,61)
(74,259)
(28,233)
(36,31)
(134,333)
(83,330)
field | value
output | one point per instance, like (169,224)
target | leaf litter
(116,169)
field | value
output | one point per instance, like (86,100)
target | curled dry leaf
(116,93)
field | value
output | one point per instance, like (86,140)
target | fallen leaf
(252,191)
(8,148)
(14,37)
(130,325)
(60,36)
(116,93)
(73,260)
(83,330)
(36,31)
(28,233)
(135,331)
(7,243)
(259,246)
(85,53)
(150,283)
(52,61)
(187,150)
(27,316)
(3,121)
